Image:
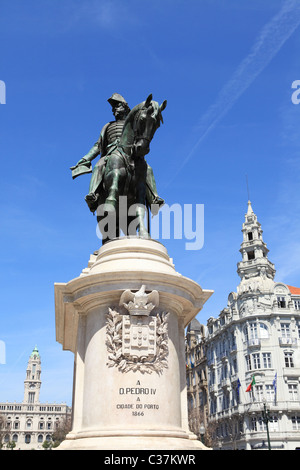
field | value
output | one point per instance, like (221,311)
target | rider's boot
(92,201)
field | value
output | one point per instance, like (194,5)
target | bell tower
(32,383)
(254,250)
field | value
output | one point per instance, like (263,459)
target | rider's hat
(116,98)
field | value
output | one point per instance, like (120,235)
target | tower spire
(250,210)
(32,383)
(255,262)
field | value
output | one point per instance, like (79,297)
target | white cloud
(268,43)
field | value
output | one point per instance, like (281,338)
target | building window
(288,359)
(267,360)
(28,424)
(234,366)
(257,424)
(259,394)
(255,330)
(293,392)
(27,438)
(15,438)
(296,422)
(273,424)
(250,236)
(285,330)
(40,438)
(263,331)
(31,397)
(297,304)
(253,361)
(251,255)
(256,360)
(270,393)
(281,302)
(253,424)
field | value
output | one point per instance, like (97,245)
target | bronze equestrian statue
(122,169)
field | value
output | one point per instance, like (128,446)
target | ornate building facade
(30,423)
(196,374)
(253,355)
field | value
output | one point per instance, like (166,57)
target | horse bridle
(139,137)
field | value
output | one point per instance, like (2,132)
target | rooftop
(294,290)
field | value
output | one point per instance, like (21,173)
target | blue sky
(226,69)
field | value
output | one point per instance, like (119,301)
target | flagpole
(266,419)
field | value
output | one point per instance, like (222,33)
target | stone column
(124,319)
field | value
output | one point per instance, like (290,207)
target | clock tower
(32,383)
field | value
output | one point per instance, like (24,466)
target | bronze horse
(125,174)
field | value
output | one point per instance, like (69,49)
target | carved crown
(139,303)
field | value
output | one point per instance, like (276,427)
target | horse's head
(147,120)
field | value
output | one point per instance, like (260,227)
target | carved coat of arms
(138,341)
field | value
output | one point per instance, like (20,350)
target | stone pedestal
(124,319)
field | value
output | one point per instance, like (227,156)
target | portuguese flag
(249,388)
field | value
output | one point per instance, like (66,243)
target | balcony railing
(284,341)
(253,342)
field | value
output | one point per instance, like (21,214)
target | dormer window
(281,302)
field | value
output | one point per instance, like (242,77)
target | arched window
(17,423)
(15,438)
(263,331)
(254,330)
(40,438)
(27,438)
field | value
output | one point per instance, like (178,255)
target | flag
(275,386)
(275,382)
(249,388)
(238,387)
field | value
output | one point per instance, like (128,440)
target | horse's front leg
(140,174)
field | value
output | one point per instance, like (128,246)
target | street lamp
(266,418)
(202,432)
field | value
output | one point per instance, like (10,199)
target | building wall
(30,423)
(263,345)
(256,335)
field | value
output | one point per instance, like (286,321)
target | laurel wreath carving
(142,364)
